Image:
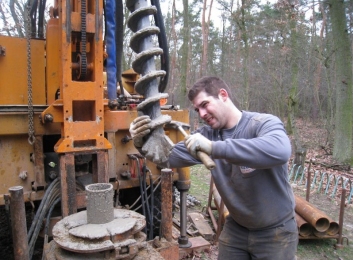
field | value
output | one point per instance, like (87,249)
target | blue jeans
(238,243)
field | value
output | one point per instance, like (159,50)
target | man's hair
(211,85)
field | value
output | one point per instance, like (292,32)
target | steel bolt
(23,175)
(48,118)
(52,175)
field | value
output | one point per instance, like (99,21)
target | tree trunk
(244,37)
(342,150)
(205,32)
(173,63)
(16,19)
(293,92)
(185,55)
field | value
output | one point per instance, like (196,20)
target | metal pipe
(304,228)
(167,204)
(308,183)
(19,226)
(183,186)
(333,229)
(340,223)
(318,219)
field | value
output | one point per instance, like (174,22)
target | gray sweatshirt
(251,169)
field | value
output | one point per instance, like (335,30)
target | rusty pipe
(343,201)
(18,223)
(167,204)
(318,219)
(304,228)
(331,231)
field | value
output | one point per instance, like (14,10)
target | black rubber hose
(105,20)
(163,44)
(152,201)
(53,195)
(43,202)
(141,191)
(144,172)
(50,212)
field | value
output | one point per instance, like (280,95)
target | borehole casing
(100,209)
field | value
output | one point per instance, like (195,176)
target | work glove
(139,128)
(197,142)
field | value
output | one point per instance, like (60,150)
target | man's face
(211,110)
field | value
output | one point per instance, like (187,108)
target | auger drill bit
(158,146)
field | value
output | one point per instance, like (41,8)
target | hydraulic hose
(141,189)
(144,172)
(138,199)
(111,51)
(152,202)
(43,202)
(55,193)
(163,44)
(50,212)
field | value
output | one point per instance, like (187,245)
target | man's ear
(223,94)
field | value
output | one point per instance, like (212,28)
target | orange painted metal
(81,105)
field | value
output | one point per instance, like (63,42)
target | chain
(29,78)
(83,39)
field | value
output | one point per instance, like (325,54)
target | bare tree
(205,24)
(342,149)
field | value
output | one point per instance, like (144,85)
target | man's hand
(197,142)
(139,128)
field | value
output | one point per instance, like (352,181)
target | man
(251,151)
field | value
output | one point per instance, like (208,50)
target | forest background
(291,58)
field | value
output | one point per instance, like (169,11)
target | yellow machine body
(71,116)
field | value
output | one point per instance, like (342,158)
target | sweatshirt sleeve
(264,144)
(180,157)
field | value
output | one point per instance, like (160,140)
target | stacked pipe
(313,222)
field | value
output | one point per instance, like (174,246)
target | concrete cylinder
(100,208)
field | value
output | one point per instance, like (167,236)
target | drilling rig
(65,110)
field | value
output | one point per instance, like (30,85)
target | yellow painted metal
(15,160)
(53,45)
(16,123)
(13,71)
(128,79)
